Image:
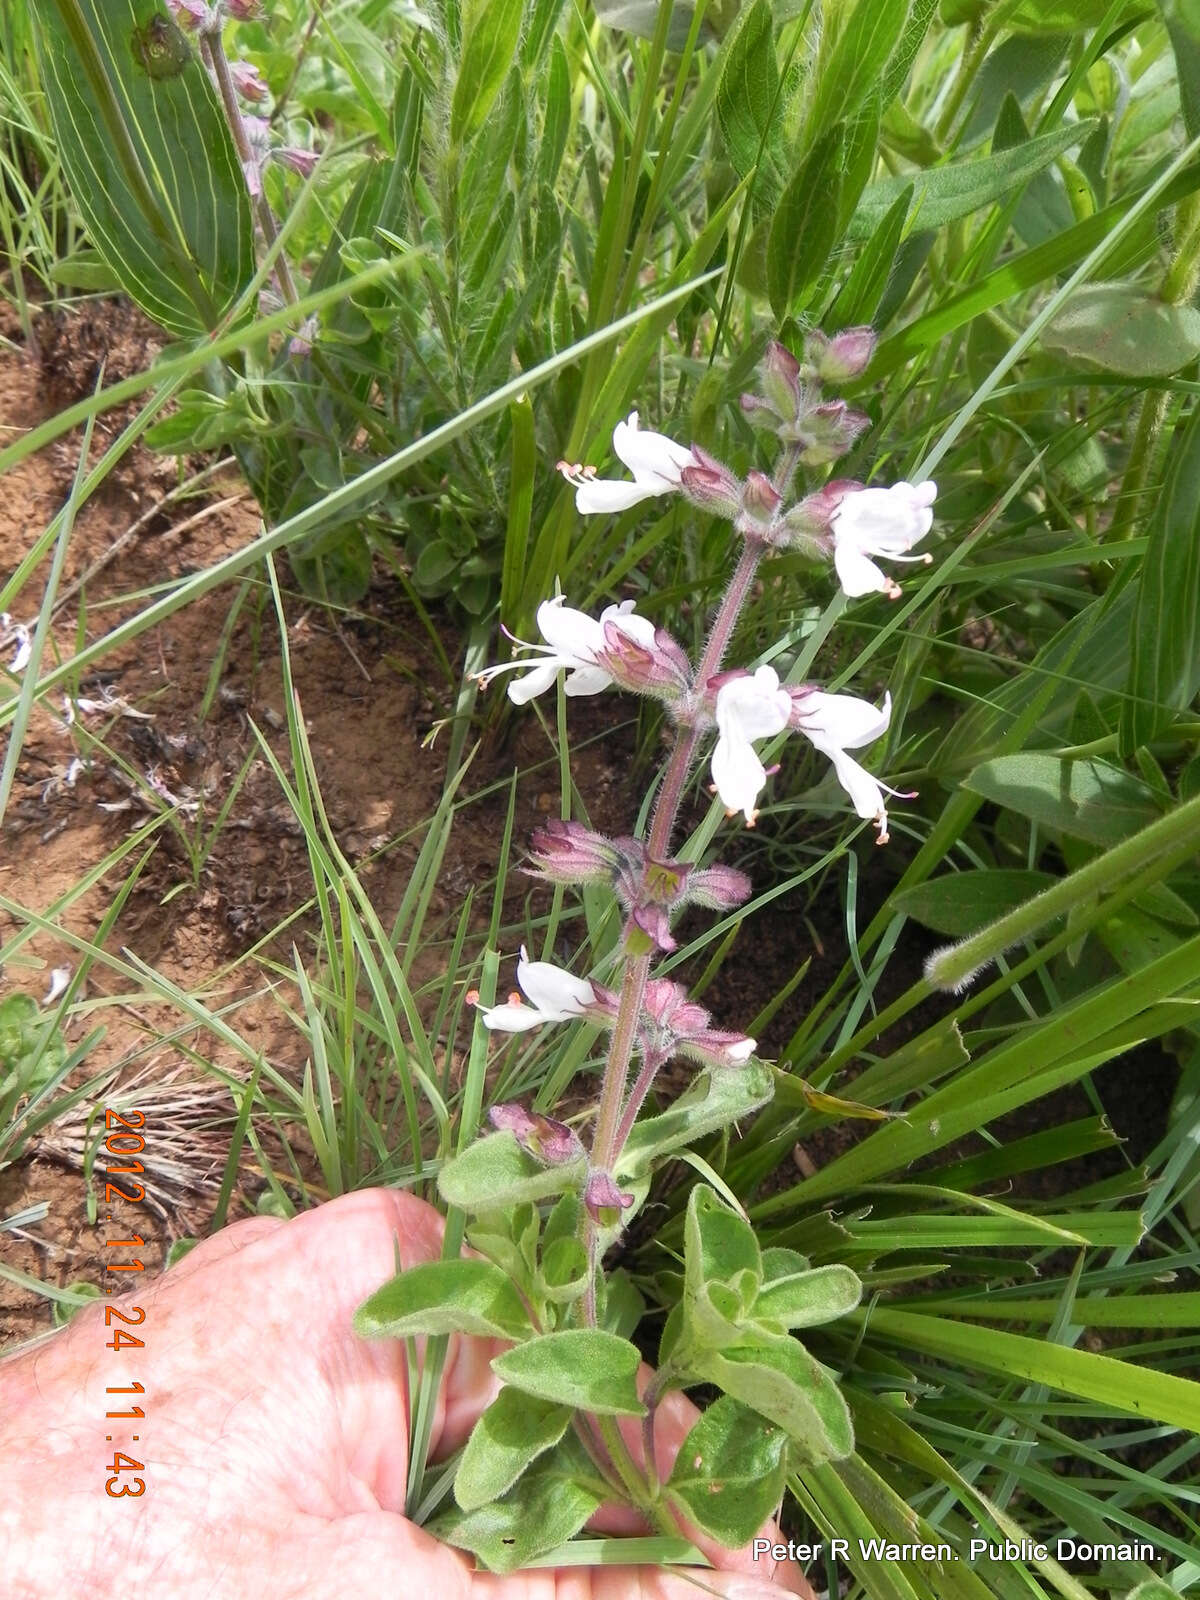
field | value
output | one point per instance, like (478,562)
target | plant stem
(214,49)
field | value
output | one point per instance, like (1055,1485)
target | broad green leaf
(509,1240)
(722,1271)
(728,1475)
(1164,634)
(857,41)
(1117,327)
(780,1379)
(149,157)
(1061,16)
(749,102)
(1042,211)
(491,33)
(962,902)
(860,295)
(495,1172)
(548,1506)
(1086,799)
(716,1099)
(514,1430)
(810,1298)
(804,227)
(640,17)
(943,194)
(584,1367)
(444,1297)
(31,1050)
(920,15)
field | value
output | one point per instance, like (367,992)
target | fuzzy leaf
(728,1475)
(716,1099)
(1085,799)
(749,100)
(1116,327)
(495,1172)
(943,194)
(514,1430)
(804,228)
(583,1367)
(444,1297)
(548,1506)
(492,31)
(961,902)
(722,1270)
(779,1379)
(807,1299)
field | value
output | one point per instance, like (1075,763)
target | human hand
(275,1440)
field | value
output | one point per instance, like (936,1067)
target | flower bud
(717,1047)
(844,356)
(718,888)
(604,1201)
(710,485)
(780,378)
(651,930)
(760,502)
(242,10)
(246,81)
(567,852)
(193,15)
(298,159)
(552,1143)
(827,432)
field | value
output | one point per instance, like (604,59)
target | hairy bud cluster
(791,405)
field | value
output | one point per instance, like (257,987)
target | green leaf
(1116,327)
(857,42)
(509,1240)
(1061,16)
(728,1476)
(716,1099)
(444,1297)
(491,33)
(804,227)
(1164,634)
(748,99)
(780,1379)
(640,17)
(943,194)
(584,1367)
(1086,799)
(722,1271)
(962,902)
(810,1298)
(1183,27)
(496,1172)
(547,1507)
(514,1430)
(24,1032)
(860,295)
(1043,210)
(149,157)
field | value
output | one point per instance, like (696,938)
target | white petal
(512,1019)
(742,1051)
(553,991)
(754,707)
(865,794)
(599,495)
(738,774)
(536,681)
(841,721)
(885,521)
(587,680)
(857,574)
(651,457)
(572,634)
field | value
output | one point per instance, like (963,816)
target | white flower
(748,708)
(879,522)
(573,642)
(654,460)
(554,996)
(835,723)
